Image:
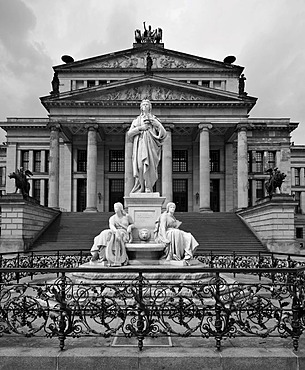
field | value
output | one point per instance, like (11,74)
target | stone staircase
(215,232)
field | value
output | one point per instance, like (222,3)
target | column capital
(53,126)
(242,127)
(205,126)
(169,126)
(91,126)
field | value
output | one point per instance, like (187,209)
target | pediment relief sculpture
(150,92)
(138,60)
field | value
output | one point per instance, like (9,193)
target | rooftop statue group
(109,246)
(149,35)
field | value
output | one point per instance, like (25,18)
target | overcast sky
(266,36)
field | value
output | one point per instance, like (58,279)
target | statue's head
(169,205)
(144,234)
(145,106)
(118,207)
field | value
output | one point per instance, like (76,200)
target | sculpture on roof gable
(241,85)
(149,35)
(55,84)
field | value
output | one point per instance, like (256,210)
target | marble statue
(179,245)
(109,245)
(148,135)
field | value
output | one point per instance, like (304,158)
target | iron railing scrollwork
(268,304)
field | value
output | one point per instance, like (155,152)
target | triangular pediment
(151,87)
(136,59)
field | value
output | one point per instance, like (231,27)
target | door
(116,192)
(180,194)
(214,195)
(81,195)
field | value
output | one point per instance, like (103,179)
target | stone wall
(22,220)
(273,222)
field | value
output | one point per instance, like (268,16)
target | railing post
(218,323)
(140,321)
(62,313)
(295,324)
(18,266)
(1,279)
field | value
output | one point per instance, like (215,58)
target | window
(91,83)
(297,176)
(36,190)
(25,159)
(37,161)
(299,232)
(214,161)
(194,82)
(217,84)
(79,84)
(259,161)
(206,83)
(180,162)
(116,161)
(250,159)
(102,82)
(271,159)
(260,189)
(2,176)
(82,160)
(47,159)
(46,192)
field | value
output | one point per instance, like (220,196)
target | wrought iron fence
(142,302)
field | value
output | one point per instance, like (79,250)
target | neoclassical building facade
(215,155)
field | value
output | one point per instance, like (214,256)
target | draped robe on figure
(178,243)
(109,247)
(146,151)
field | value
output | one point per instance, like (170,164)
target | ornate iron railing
(269,303)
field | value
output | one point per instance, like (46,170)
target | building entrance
(116,192)
(214,195)
(81,195)
(180,194)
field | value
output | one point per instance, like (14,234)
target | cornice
(121,103)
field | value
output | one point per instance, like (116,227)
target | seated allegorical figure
(109,245)
(179,245)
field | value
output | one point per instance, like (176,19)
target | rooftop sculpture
(148,35)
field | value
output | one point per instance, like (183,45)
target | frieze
(138,60)
(149,92)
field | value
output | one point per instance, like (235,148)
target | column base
(91,209)
(205,210)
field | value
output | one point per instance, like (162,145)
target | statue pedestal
(145,209)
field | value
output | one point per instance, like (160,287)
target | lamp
(197,197)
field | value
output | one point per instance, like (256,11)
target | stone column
(167,166)
(91,168)
(128,177)
(204,167)
(242,167)
(53,197)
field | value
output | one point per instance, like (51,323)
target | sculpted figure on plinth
(178,244)
(110,245)
(148,135)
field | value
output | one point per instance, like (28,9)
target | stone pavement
(160,353)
